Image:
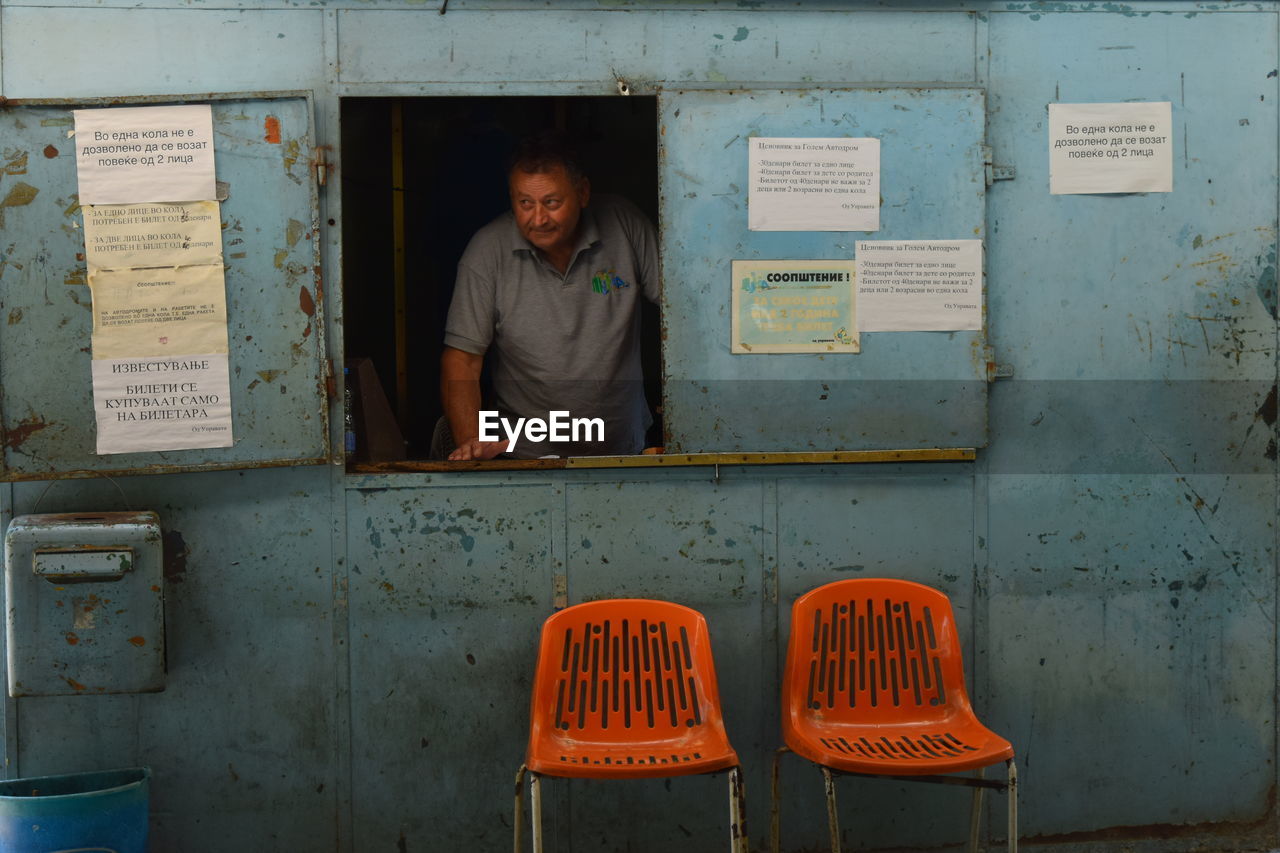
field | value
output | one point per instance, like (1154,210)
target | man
(550,291)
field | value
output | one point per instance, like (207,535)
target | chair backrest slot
(878,650)
(623,672)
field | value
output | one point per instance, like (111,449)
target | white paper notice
(131,236)
(153,246)
(919,285)
(814,184)
(162,403)
(1110,148)
(126,155)
(164,311)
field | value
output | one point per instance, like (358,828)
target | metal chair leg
(775,808)
(975,816)
(518,823)
(737,813)
(833,820)
(535,810)
(1013,806)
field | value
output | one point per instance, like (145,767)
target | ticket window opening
(419,177)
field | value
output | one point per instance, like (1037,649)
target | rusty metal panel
(905,389)
(1121,599)
(1130,580)
(647,47)
(245,741)
(699,543)
(1133,490)
(172,51)
(264,150)
(448,588)
(1177,286)
(916,527)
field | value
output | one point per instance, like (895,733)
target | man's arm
(460,393)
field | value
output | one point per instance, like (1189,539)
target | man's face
(547,207)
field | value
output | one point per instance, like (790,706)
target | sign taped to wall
(153,247)
(162,403)
(126,155)
(807,184)
(127,236)
(919,285)
(1111,148)
(794,306)
(159,311)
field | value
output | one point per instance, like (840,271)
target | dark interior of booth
(418,177)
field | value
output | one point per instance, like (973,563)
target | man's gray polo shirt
(562,342)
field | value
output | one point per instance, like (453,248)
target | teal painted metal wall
(349,656)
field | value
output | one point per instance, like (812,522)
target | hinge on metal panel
(330,381)
(322,167)
(994,370)
(993,172)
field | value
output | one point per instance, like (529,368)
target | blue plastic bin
(102,812)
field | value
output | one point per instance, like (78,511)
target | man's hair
(544,151)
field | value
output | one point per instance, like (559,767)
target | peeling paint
(19,195)
(1267,411)
(17,436)
(15,162)
(294,232)
(175,556)
(1265,286)
(292,151)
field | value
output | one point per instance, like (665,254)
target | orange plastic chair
(874,686)
(626,689)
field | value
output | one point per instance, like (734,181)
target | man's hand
(477,450)
(460,392)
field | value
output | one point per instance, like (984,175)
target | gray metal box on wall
(85,597)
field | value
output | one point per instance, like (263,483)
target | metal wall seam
(328,120)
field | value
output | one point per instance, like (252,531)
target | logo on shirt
(605,280)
